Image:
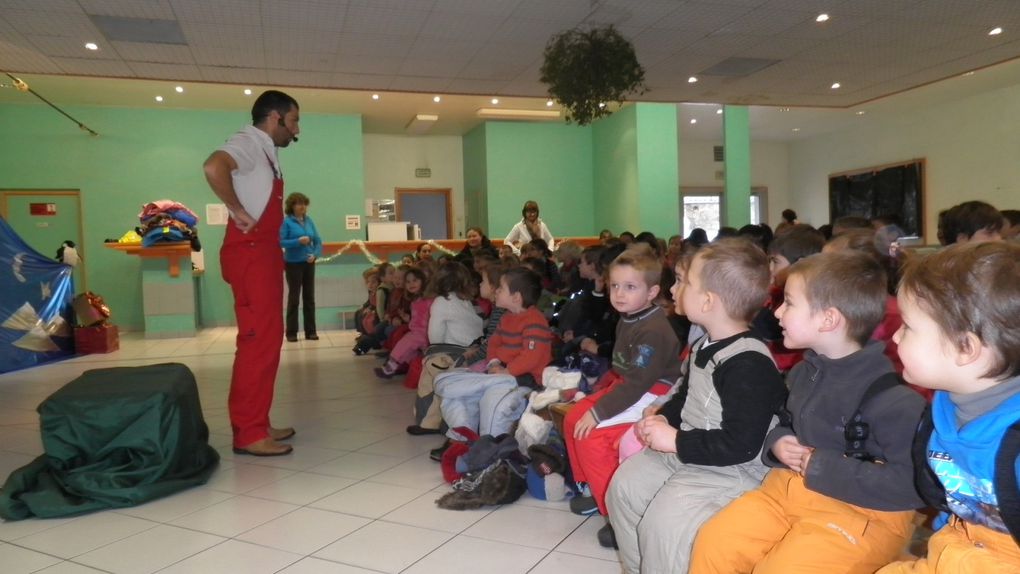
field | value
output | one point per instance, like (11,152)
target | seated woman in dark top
(476,244)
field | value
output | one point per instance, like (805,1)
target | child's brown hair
(972,288)
(526,282)
(642,259)
(452,278)
(738,271)
(849,281)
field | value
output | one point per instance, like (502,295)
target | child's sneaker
(583,505)
(436,454)
(607,538)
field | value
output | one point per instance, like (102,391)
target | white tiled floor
(357,495)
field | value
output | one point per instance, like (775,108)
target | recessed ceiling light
(822,18)
(719,111)
(692,80)
(548,103)
(835,85)
(179,89)
(971,73)
(694,121)
(247,91)
(784,109)
(861,112)
(375,96)
(159,98)
(796,129)
(91,46)
(437,99)
(995,31)
(494,101)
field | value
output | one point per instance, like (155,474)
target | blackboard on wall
(896,189)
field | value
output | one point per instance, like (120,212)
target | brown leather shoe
(281,434)
(265,447)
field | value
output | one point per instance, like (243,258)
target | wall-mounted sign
(423,172)
(45,209)
(353,222)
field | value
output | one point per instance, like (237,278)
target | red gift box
(103,338)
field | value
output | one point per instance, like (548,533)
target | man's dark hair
(269,101)
(526,282)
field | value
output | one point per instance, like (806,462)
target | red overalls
(253,266)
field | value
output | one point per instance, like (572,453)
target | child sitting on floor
(961,318)
(840,497)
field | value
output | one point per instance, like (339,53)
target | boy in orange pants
(840,497)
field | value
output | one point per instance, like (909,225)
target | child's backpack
(933,492)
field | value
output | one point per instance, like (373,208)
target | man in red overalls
(245,175)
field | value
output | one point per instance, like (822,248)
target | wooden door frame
(445,191)
(76,194)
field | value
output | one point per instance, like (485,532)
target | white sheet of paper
(216,214)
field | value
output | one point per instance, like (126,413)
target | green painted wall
(146,154)
(658,173)
(615,165)
(549,163)
(476,179)
(637,186)
(737,149)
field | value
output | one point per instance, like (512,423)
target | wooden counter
(387,249)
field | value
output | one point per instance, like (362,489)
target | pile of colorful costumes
(166,220)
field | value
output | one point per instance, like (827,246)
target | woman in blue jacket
(301,247)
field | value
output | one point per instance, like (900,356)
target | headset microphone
(291,132)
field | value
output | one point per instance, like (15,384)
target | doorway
(429,208)
(46,218)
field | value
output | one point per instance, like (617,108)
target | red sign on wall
(42,208)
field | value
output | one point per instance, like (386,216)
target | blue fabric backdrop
(35,305)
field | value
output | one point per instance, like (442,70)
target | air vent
(718,154)
(118,29)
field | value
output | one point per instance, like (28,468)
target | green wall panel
(549,163)
(147,154)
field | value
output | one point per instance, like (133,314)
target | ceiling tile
(228,57)
(527,31)
(150,9)
(18,59)
(209,36)
(304,14)
(361,81)
(65,47)
(489,7)
(419,84)
(45,24)
(371,19)
(87,67)
(295,78)
(295,40)
(632,14)
(454,26)
(362,64)
(570,11)
(472,86)
(441,68)
(490,70)
(381,45)
(229,12)
(701,16)
(165,71)
(161,53)
(300,61)
(234,75)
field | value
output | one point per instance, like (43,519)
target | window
(701,207)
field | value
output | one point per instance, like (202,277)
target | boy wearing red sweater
(521,347)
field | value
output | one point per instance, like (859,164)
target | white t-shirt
(520,233)
(253,178)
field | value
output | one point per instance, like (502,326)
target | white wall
(769,169)
(972,147)
(390,162)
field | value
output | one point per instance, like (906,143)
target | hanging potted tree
(587,71)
